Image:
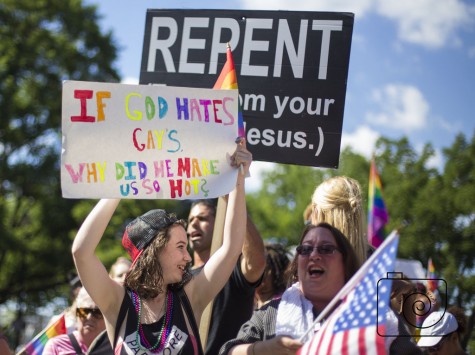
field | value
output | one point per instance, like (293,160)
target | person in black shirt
(235,302)
(159,305)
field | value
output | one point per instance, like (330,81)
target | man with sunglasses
(90,323)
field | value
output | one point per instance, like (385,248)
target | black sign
(292,70)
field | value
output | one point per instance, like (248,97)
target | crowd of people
(262,297)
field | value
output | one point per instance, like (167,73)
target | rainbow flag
(432,283)
(377,214)
(227,80)
(36,346)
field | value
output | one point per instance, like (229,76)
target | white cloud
(400,106)
(130,80)
(434,162)
(430,23)
(453,126)
(437,161)
(361,141)
(359,7)
(254,182)
(471,52)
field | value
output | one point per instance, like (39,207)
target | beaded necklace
(166,326)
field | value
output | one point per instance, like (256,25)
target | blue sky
(412,63)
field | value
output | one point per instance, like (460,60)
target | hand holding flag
(37,344)
(357,326)
(227,80)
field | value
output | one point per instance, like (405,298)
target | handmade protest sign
(147,142)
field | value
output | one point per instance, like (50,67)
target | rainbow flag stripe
(377,214)
(432,283)
(36,346)
(227,80)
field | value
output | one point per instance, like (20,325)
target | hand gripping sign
(147,142)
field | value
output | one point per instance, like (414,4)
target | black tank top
(183,337)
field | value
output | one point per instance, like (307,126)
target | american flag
(357,326)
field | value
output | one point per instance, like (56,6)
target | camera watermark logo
(410,304)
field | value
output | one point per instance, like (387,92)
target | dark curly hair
(461,318)
(211,203)
(277,262)
(146,275)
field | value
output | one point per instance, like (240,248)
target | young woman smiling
(159,305)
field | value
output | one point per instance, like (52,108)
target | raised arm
(106,293)
(206,285)
(253,261)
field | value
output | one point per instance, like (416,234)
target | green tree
(404,177)
(435,211)
(277,209)
(42,43)
(457,252)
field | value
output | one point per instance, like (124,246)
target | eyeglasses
(306,250)
(84,312)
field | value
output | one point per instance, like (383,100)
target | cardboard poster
(147,141)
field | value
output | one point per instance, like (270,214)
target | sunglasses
(306,250)
(84,312)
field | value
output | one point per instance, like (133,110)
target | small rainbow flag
(377,214)
(432,282)
(36,346)
(227,80)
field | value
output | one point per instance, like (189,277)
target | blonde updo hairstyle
(338,202)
